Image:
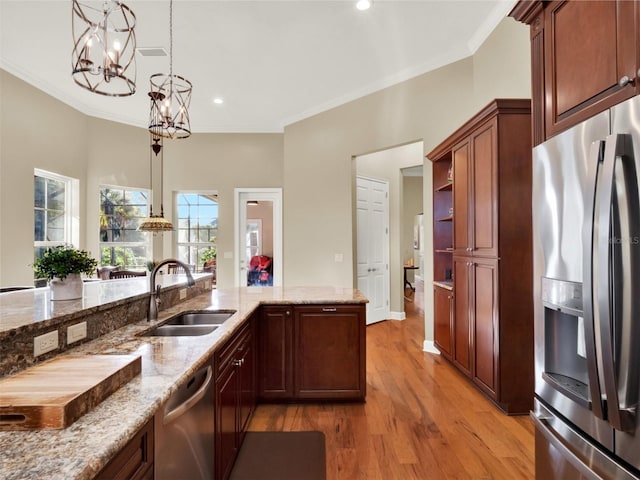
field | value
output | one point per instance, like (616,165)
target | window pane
(39,192)
(121,212)
(38,234)
(55,227)
(197,224)
(55,194)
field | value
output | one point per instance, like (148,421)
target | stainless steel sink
(180,330)
(209,317)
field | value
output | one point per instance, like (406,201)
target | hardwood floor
(422,419)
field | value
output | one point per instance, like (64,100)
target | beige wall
(385,165)
(312,160)
(319,151)
(36,131)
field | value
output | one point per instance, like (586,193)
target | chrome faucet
(154,299)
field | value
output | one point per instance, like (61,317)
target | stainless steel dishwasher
(184,431)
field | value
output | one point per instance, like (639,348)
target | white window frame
(71,210)
(177,243)
(149,241)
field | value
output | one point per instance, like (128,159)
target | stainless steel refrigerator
(586,215)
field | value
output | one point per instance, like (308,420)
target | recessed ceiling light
(218,101)
(363,4)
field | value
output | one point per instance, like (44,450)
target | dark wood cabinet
(492,322)
(135,460)
(475,172)
(484,320)
(312,352)
(329,352)
(585,58)
(443,319)
(462,314)
(275,353)
(235,396)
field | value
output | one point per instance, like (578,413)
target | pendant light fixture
(104,45)
(156,223)
(170,98)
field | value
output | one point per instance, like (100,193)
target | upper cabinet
(585,58)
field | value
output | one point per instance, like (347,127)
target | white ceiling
(273,62)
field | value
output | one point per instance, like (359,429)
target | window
(197,227)
(121,211)
(55,211)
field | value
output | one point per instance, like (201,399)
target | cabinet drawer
(135,460)
(226,354)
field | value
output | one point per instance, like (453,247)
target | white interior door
(372,206)
(258,237)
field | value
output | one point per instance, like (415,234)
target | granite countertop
(80,451)
(26,308)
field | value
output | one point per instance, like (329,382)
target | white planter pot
(68,289)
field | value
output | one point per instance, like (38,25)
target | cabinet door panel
(484,196)
(247,382)
(226,422)
(275,353)
(485,324)
(460,197)
(442,320)
(329,352)
(462,309)
(589,47)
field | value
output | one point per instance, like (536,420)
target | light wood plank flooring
(422,419)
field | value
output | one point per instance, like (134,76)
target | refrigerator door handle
(608,293)
(596,154)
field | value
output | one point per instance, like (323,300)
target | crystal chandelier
(104,45)
(170,98)
(156,223)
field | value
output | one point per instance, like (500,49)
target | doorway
(258,237)
(372,259)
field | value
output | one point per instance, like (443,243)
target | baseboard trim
(430,347)
(397,316)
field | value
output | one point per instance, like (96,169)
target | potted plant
(62,266)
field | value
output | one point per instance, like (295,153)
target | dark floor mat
(281,456)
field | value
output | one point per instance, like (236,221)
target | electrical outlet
(76,332)
(45,343)
(183,293)
(207,284)
(338,257)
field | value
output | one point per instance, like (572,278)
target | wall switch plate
(76,332)
(183,293)
(207,284)
(228,255)
(338,257)
(45,343)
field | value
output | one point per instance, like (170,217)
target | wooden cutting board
(56,393)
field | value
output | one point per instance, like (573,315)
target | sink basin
(211,317)
(180,330)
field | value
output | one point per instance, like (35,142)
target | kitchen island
(83,449)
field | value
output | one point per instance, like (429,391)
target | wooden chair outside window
(126,274)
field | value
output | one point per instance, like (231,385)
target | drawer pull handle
(326,309)
(626,81)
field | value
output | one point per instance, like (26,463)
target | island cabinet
(135,460)
(235,396)
(312,353)
(584,59)
(275,353)
(484,324)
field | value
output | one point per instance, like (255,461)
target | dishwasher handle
(191,401)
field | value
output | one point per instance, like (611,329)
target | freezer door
(562,453)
